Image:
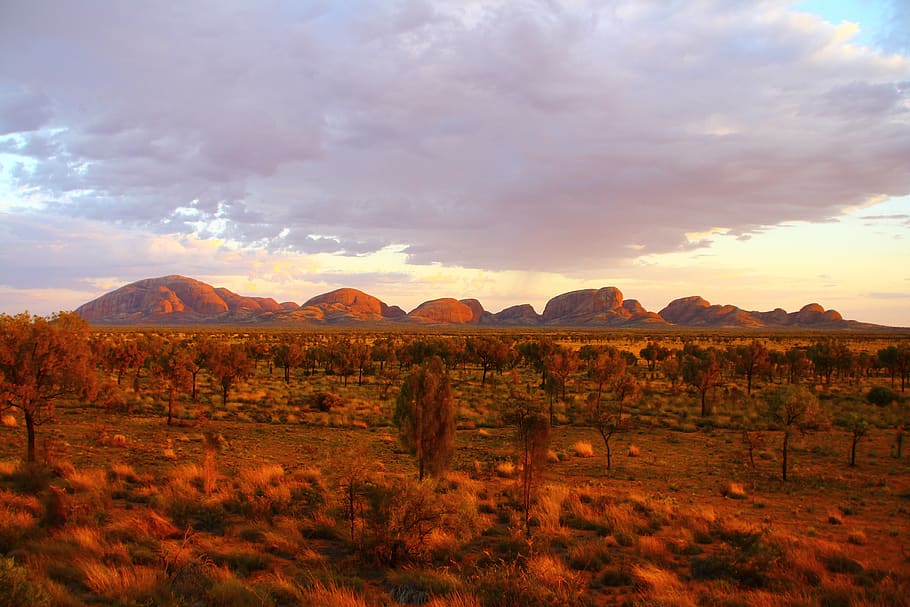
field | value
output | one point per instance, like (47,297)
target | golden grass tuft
(549,571)
(660,587)
(734,491)
(549,505)
(86,481)
(332,596)
(14,524)
(264,476)
(142,524)
(583,448)
(634,451)
(505,469)
(89,539)
(455,599)
(8,420)
(123,472)
(552,457)
(654,549)
(857,537)
(8,467)
(126,582)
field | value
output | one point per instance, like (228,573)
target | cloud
(546,136)
(889,295)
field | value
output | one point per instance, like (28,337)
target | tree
(606,416)
(789,409)
(288,354)
(560,365)
(43,360)
(751,360)
(858,427)
(492,353)
(701,371)
(172,363)
(360,355)
(425,416)
(822,356)
(228,364)
(533,440)
(535,353)
(653,354)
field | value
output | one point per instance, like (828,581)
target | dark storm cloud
(503,135)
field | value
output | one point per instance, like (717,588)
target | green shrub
(16,589)
(881,396)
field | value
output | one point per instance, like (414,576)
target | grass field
(267,500)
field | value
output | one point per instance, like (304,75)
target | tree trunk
(783,452)
(853,450)
(170,404)
(30,429)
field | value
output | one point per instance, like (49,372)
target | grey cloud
(22,110)
(503,135)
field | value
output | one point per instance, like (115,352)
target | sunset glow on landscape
(752,153)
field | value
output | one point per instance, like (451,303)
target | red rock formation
(697,312)
(154,297)
(177,299)
(443,311)
(345,304)
(596,307)
(523,314)
(476,308)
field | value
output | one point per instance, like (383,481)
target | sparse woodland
(493,468)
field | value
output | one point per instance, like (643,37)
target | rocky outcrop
(239,303)
(520,315)
(697,312)
(596,307)
(154,298)
(443,311)
(476,309)
(180,300)
(347,305)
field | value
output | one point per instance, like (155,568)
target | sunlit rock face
(443,311)
(181,300)
(697,312)
(596,307)
(348,305)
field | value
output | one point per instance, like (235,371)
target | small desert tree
(43,360)
(788,409)
(605,415)
(229,363)
(172,364)
(425,416)
(750,360)
(533,438)
(858,427)
(701,370)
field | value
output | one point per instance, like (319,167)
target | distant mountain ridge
(180,300)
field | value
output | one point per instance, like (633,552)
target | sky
(753,152)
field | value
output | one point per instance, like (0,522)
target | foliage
(43,360)
(881,396)
(788,409)
(425,416)
(16,589)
